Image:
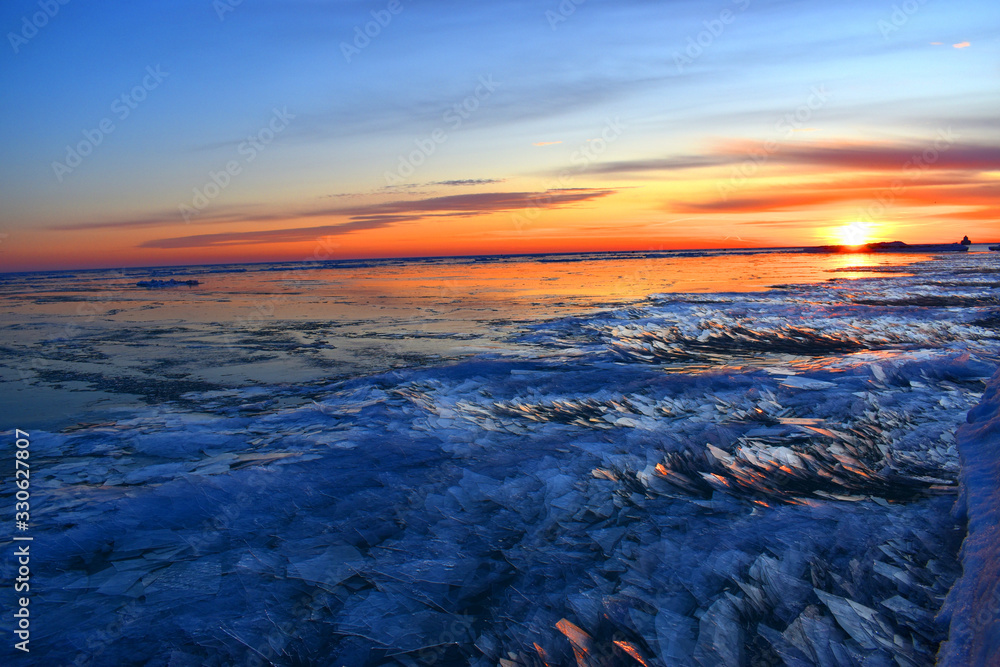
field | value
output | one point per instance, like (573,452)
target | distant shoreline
(891,246)
(595,255)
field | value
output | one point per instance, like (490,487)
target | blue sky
(891,74)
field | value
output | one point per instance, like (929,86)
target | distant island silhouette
(895,246)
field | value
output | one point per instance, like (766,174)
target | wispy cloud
(862,157)
(165,218)
(374,216)
(477,203)
(947,156)
(957,190)
(271,235)
(469,181)
(470,204)
(662,164)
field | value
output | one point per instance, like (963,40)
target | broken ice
(698,480)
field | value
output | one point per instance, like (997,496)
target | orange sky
(503,135)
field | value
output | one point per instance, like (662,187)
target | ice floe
(697,480)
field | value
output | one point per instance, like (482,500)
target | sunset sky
(193,131)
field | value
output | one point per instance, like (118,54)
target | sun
(854,233)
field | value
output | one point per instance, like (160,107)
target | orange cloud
(376,216)
(957,190)
(940,152)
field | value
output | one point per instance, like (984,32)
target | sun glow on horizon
(854,234)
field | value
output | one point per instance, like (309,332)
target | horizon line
(473,256)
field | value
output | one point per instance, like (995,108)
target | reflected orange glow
(580,640)
(628,648)
(541,654)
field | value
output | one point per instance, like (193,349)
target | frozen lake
(661,459)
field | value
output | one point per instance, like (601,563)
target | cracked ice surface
(703,479)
